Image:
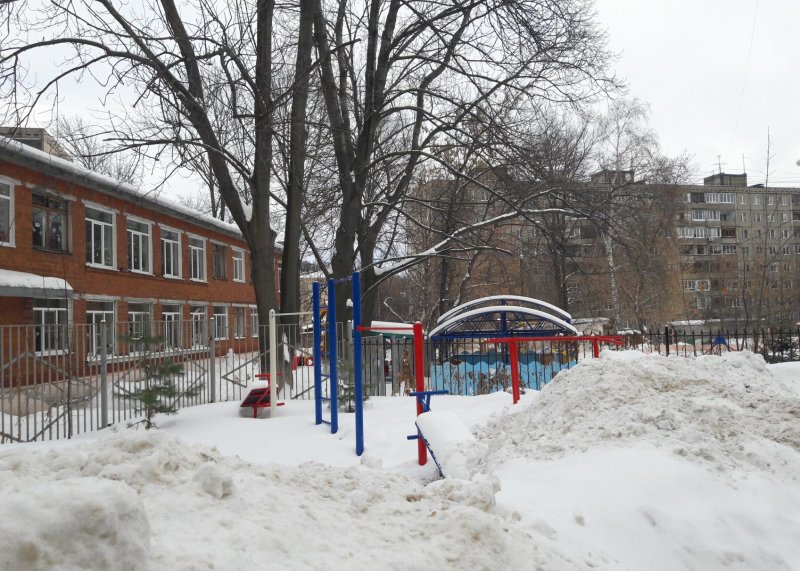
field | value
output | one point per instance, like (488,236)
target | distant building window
(197,258)
(254,321)
(220,322)
(238,265)
(239,322)
(756,201)
(170,253)
(784,200)
(770,200)
(138,246)
(49,217)
(171,315)
(6,214)
(199,325)
(50,319)
(219,254)
(98,312)
(139,318)
(99,237)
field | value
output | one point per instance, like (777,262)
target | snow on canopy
(23,284)
(499,319)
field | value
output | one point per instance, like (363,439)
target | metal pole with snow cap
(273,364)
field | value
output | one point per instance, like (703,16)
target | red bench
(260,397)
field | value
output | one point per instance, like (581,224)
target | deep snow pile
(136,497)
(728,412)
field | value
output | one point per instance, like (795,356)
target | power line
(744,81)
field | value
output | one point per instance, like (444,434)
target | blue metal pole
(357,369)
(317,356)
(333,379)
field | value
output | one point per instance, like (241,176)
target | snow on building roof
(24,155)
(23,284)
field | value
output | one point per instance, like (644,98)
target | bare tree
(183,64)
(85,144)
(408,77)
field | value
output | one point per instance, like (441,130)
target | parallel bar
(317,355)
(333,384)
(357,364)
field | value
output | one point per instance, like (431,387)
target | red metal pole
(514,349)
(595,348)
(419,366)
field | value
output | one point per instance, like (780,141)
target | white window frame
(192,250)
(239,311)
(12,227)
(254,320)
(137,235)
(218,328)
(199,323)
(140,323)
(238,264)
(172,321)
(113,225)
(175,245)
(59,311)
(92,314)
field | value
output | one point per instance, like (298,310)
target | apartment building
(740,250)
(721,250)
(79,248)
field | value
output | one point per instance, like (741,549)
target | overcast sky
(689,60)
(712,92)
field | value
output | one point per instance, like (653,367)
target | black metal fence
(775,345)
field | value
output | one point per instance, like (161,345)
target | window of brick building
(50,220)
(219,253)
(139,246)
(238,265)
(197,259)
(239,322)
(6,213)
(50,319)
(99,238)
(98,312)
(220,322)
(171,315)
(170,253)
(140,315)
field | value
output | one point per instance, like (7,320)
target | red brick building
(78,247)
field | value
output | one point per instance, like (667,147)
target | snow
(450,440)
(626,462)
(12,279)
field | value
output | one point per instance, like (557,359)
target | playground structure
(501,320)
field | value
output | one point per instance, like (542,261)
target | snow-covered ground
(626,462)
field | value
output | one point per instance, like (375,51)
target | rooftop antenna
(719,163)
(744,169)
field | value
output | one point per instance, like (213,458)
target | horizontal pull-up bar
(616,339)
(378,328)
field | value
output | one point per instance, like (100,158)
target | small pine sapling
(159,392)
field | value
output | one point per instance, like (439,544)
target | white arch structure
(511,310)
(563,315)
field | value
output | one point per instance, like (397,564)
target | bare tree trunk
(290,275)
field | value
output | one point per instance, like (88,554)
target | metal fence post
(666,338)
(273,364)
(212,359)
(103,375)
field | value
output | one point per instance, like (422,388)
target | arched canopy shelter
(495,316)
